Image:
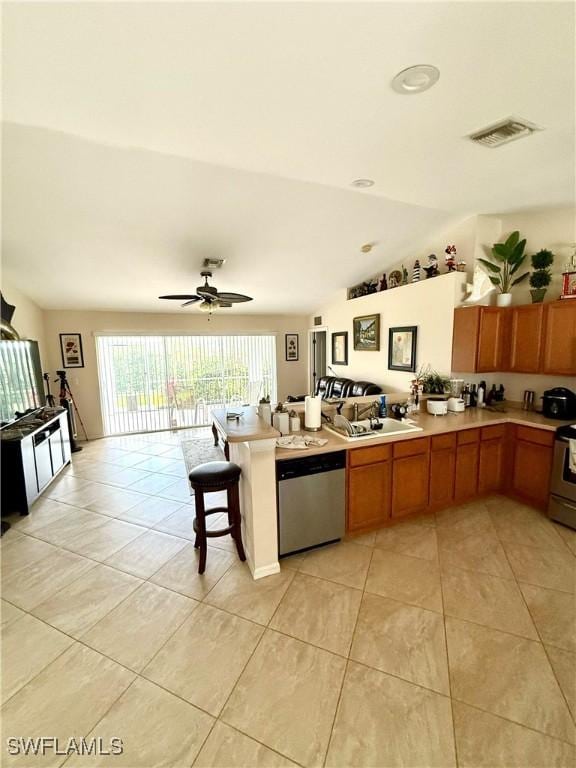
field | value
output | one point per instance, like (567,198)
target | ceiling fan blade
(179,296)
(233,298)
(191,301)
(224,304)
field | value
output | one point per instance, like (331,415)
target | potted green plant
(432,382)
(541,277)
(508,258)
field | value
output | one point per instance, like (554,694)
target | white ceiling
(143,137)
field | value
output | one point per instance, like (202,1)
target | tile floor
(448,640)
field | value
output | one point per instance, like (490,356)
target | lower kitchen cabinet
(442,470)
(491,460)
(466,475)
(369,486)
(533,453)
(410,477)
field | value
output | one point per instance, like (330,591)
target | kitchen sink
(366,429)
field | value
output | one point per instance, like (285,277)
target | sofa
(333,386)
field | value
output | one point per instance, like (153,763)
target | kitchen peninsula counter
(431,425)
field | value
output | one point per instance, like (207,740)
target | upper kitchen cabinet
(526,338)
(479,340)
(559,356)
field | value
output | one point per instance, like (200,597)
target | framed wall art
(367,333)
(340,348)
(71,348)
(291,340)
(402,348)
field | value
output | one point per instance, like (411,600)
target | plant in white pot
(508,258)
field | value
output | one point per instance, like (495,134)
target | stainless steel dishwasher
(311,501)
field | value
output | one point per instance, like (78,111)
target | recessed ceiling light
(416,79)
(362,183)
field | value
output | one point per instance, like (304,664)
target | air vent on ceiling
(213,263)
(504,131)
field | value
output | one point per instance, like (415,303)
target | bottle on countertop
(491,396)
(481,401)
(383,409)
(500,394)
(466,396)
(473,396)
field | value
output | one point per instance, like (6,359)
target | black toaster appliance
(559,403)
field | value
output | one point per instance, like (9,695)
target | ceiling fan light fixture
(205,306)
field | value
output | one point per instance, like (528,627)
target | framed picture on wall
(402,348)
(367,333)
(340,348)
(71,348)
(291,340)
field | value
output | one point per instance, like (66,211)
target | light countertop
(248,427)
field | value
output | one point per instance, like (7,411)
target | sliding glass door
(159,382)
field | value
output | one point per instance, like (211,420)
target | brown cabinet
(526,337)
(559,355)
(466,476)
(369,483)
(491,459)
(479,339)
(410,477)
(533,452)
(442,470)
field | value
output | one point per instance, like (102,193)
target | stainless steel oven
(562,504)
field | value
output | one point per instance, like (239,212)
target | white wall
(28,317)
(429,305)
(84,381)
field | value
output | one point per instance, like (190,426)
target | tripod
(50,399)
(67,402)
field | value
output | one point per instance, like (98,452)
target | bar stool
(211,477)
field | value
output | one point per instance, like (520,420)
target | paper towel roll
(312,413)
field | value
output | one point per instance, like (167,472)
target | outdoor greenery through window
(162,382)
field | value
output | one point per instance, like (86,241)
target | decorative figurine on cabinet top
(450,258)
(383,286)
(404,275)
(431,268)
(416,273)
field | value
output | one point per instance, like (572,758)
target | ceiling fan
(208,296)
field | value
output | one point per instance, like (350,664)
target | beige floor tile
(9,613)
(343,563)
(65,700)
(287,696)
(292,562)
(23,552)
(79,605)
(460,522)
(481,553)
(134,631)
(29,586)
(179,491)
(487,741)
(319,612)
(203,660)
(153,484)
(114,501)
(366,539)
(507,676)
(66,484)
(151,511)
(181,572)
(155,463)
(102,542)
(238,592)
(409,539)
(28,645)
(82,497)
(543,567)
(403,640)
(554,614)
(60,531)
(146,554)
(158,730)
(383,721)
(408,579)
(526,527)
(486,600)
(568,536)
(42,513)
(564,666)
(12,534)
(179,523)
(97,471)
(127,477)
(228,748)
(462,512)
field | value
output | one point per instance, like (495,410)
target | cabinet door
(560,338)
(43,463)
(410,484)
(526,338)
(442,473)
(368,495)
(492,338)
(56,451)
(531,474)
(465,339)
(466,479)
(490,465)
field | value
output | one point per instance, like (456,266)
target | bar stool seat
(211,477)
